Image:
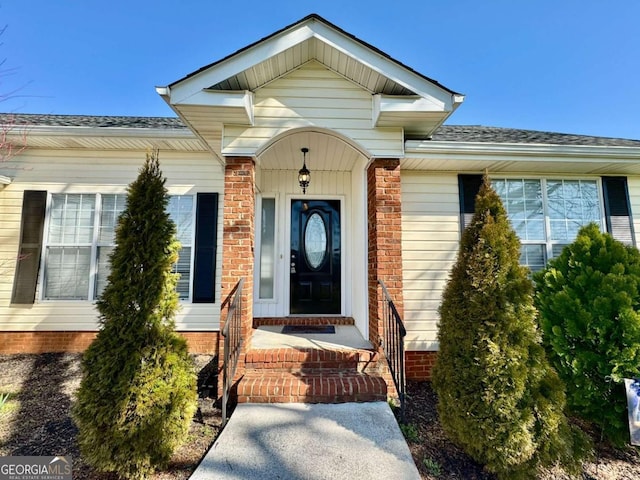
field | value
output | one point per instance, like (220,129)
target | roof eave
(416,148)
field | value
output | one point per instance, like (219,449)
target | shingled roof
(446,133)
(481,134)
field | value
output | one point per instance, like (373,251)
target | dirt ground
(36,421)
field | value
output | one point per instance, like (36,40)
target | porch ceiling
(326,152)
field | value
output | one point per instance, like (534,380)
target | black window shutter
(204,273)
(468,186)
(617,209)
(34,204)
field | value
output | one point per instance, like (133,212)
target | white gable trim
(313,28)
(237,63)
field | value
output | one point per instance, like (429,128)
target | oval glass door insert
(315,241)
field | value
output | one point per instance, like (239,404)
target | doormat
(309,329)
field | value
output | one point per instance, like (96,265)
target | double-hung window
(547,213)
(81,235)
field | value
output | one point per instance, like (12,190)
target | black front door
(315,257)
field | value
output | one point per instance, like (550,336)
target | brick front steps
(296,387)
(261,321)
(309,375)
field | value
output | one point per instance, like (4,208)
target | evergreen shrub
(498,397)
(138,392)
(589,303)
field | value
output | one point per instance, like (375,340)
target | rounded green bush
(498,397)
(138,393)
(589,302)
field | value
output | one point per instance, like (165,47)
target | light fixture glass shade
(304,175)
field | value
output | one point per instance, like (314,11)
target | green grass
(410,432)
(8,403)
(432,466)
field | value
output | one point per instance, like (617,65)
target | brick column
(238,235)
(385,239)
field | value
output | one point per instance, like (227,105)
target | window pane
(572,204)
(523,201)
(556,249)
(67,273)
(533,256)
(181,212)
(112,207)
(183,267)
(71,219)
(267,247)
(103,269)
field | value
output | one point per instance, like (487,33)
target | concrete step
(318,387)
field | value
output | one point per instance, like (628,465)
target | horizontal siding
(94,172)
(633,184)
(313,96)
(430,238)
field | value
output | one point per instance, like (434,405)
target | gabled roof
(274,69)
(222,93)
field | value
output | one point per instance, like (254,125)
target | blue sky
(566,65)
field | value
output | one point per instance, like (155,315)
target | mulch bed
(432,450)
(37,422)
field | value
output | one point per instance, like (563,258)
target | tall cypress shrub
(138,392)
(589,302)
(498,397)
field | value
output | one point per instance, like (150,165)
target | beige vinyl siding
(94,172)
(634,200)
(313,96)
(430,238)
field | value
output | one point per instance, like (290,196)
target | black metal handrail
(232,333)
(393,345)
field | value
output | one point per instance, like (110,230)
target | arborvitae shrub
(498,397)
(589,303)
(138,392)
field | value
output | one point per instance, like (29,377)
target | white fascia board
(183,90)
(69,131)
(5,180)
(418,148)
(390,69)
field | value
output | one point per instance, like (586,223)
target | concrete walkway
(293,441)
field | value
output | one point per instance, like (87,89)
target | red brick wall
(385,239)
(418,365)
(238,238)
(43,342)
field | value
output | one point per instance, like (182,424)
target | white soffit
(4,180)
